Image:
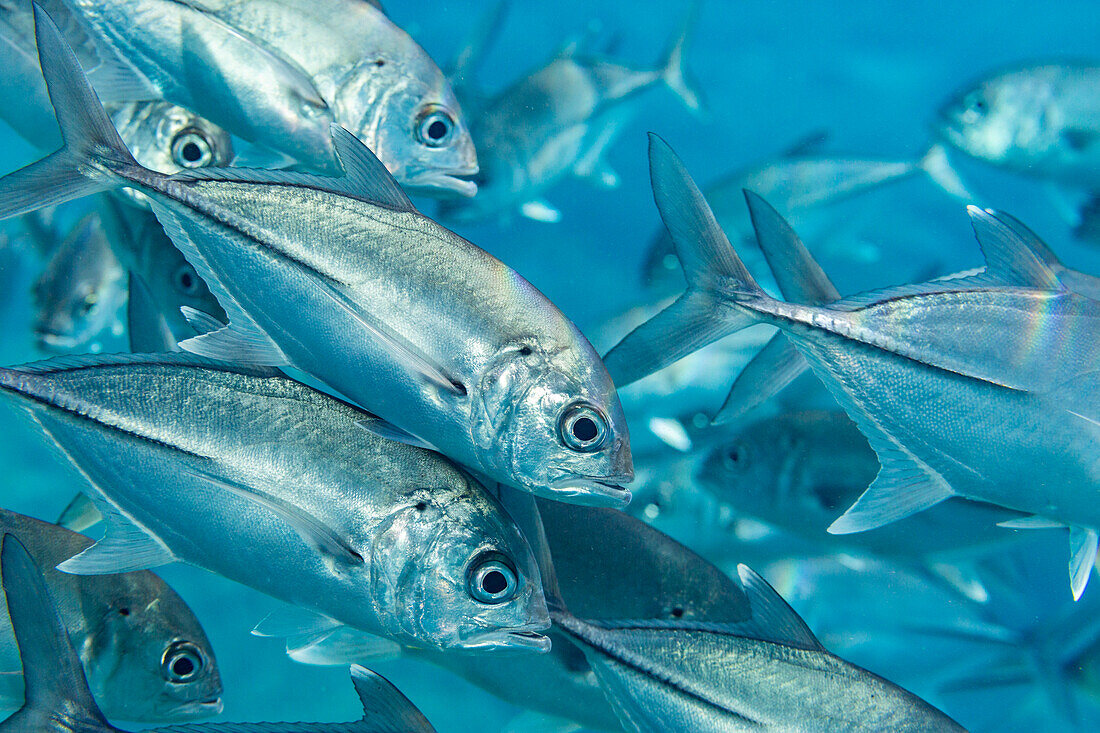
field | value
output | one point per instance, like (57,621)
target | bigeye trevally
(58,699)
(610,566)
(432,334)
(145,655)
(265,481)
(80,293)
(983,387)
(559,120)
(381,86)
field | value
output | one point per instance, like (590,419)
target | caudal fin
(673,73)
(52,674)
(91,144)
(709,262)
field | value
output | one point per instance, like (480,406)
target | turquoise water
(870,74)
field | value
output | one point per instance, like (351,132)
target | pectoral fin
(125,546)
(1082,550)
(341,646)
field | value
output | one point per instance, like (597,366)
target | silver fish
(768,672)
(1041,121)
(1008,415)
(80,293)
(798,470)
(380,84)
(559,120)
(611,566)
(409,320)
(58,697)
(270,483)
(145,656)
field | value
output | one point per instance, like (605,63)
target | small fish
(381,86)
(927,400)
(265,481)
(798,470)
(559,120)
(766,672)
(611,566)
(80,293)
(60,701)
(145,656)
(161,280)
(1041,121)
(447,345)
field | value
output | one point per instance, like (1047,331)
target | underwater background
(871,76)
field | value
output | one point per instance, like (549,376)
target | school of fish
(266,362)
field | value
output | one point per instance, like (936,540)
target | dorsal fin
(365,177)
(1011,255)
(384,707)
(800,278)
(52,673)
(772,618)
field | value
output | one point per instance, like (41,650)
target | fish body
(798,470)
(407,319)
(130,630)
(1041,121)
(270,483)
(381,85)
(60,701)
(982,388)
(78,295)
(768,673)
(557,121)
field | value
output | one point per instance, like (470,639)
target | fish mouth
(508,641)
(54,340)
(600,491)
(435,182)
(207,708)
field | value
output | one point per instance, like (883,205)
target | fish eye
(191,148)
(491,580)
(182,662)
(186,280)
(735,456)
(434,127)
(975,107)
(85,306)
(583,427)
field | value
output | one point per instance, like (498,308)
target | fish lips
(591,491)
(438,182)
(196,710)
(525,641)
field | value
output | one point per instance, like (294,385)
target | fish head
(740,469)
(451,571)
(168,139)
(79,293)
(415,127)
(1004,120)
(152,658)
(551,423)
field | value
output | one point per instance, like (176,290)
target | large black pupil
(191,152)
(585,429)
(185,280)
(494,582)
(183,667)
(437,130)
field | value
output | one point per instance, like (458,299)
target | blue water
(871,74)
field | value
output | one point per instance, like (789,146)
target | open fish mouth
(434,182)
(508,641)
(589,491)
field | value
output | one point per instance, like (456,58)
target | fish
(81,291)
(557,121)
(59,699)
(1040,120)
(612,566)
(380,85)
(265,481)
(131,630)
(765,672)
(445,344)
(162,136)
(797,470)
(160,280)
(927,402)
